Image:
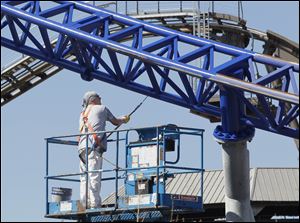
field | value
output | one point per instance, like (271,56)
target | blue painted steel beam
(56,10)
(88,37)
(231,65)
(195,54)
(125,32)
(273,76)
(153,59)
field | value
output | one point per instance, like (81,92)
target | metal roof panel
(266,184)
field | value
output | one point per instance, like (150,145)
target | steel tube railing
(157,169)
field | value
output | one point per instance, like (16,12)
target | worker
(93,119)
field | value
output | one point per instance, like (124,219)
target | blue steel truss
(153,68)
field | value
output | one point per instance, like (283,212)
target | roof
(275,184)
(266,184)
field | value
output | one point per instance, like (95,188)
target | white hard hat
(87,96)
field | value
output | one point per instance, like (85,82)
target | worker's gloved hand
(126,118)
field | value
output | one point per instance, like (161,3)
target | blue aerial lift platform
(147,168)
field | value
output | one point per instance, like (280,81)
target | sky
(52,109)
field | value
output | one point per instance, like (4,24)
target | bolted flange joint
(221,136)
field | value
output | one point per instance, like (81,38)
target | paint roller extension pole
(134,110)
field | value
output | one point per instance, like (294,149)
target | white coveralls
(97,117)
(94,183)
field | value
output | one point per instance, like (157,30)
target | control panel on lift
(146,176)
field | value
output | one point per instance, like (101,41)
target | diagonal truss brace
(159,61)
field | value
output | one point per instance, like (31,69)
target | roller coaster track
(88,38)
(22,75)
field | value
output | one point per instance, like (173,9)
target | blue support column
(233,136)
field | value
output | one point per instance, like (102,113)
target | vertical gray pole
(239,11)
(237,182)
(47,179)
